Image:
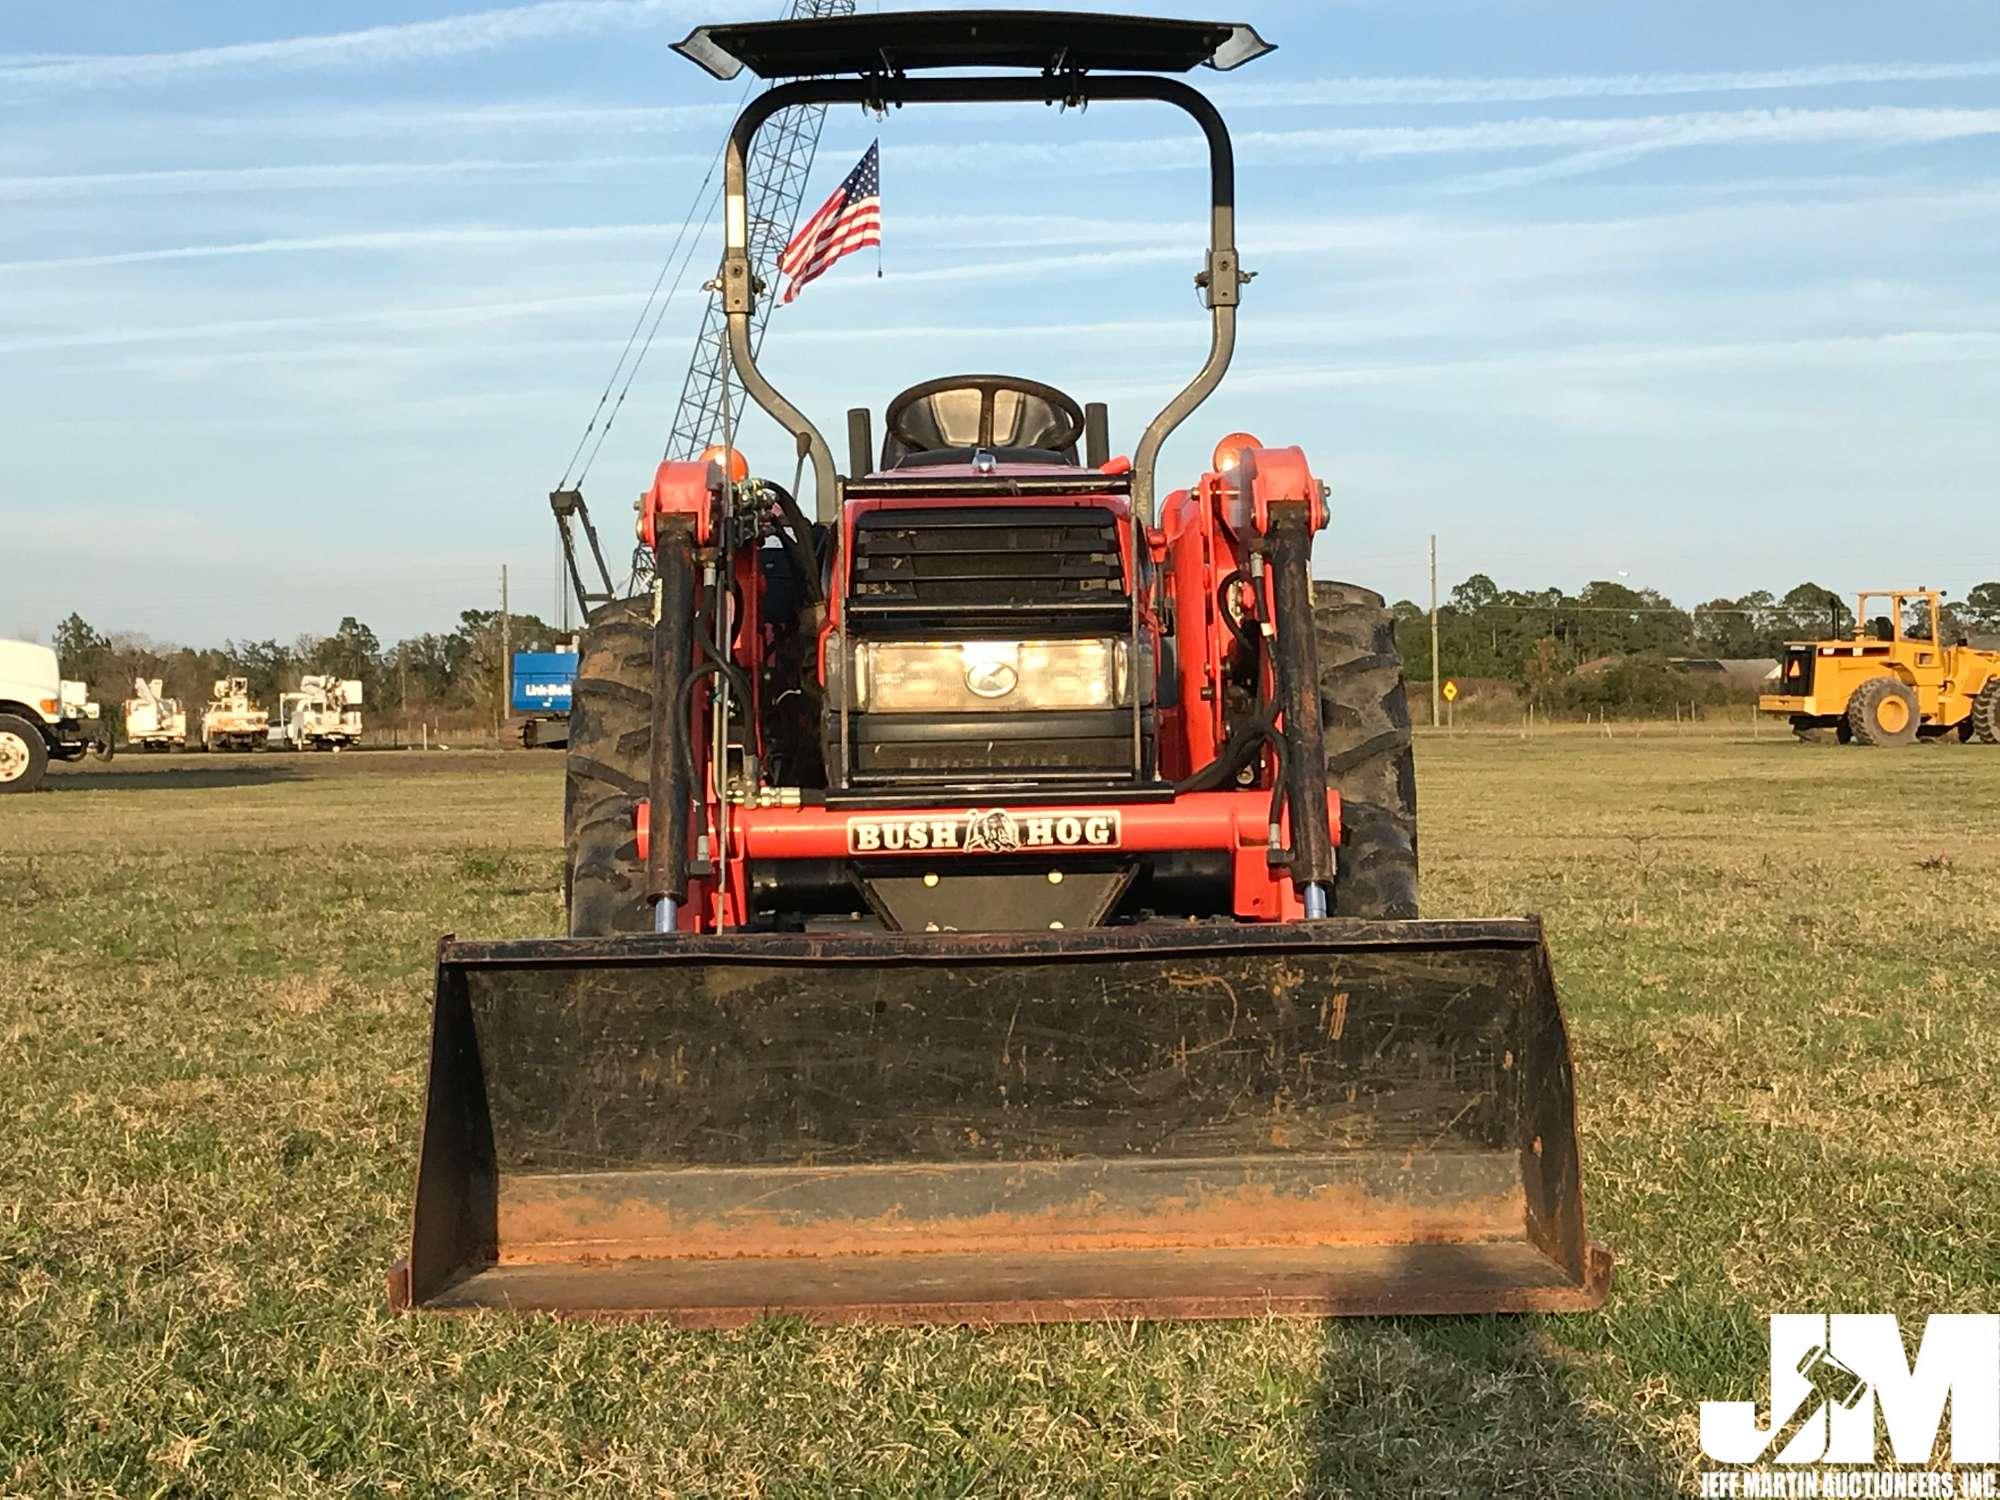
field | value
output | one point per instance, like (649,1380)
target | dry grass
(1780,964)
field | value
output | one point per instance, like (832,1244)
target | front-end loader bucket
(1202,1121)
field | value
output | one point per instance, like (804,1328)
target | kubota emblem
(991,679)
(992,830)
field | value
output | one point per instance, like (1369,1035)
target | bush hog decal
(983,831)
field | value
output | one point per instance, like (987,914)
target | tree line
(454,673)
(1624,640)
(1610,646)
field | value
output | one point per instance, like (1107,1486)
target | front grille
(1055,746)
(966,563)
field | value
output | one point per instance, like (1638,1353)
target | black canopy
(1050,41)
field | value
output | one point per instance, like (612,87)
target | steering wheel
(989,387)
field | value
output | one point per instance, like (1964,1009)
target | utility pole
(1437,693)
(506,660)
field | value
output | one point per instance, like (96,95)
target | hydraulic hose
(1244,637)
(796,535)
(1234,755)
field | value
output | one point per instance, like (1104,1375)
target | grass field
(1781,965)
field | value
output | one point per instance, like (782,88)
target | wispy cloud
(1432,90)
(1592,142)
(1428,256)
(419,41)
(474,313)
(196,180)
(552,117)
(565,116)
(392,240)
(1576,164)
(1628,134)
(1617,145)
(1925,345)
(933,231)
(1884,126)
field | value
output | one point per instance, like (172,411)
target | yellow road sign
(1451,692)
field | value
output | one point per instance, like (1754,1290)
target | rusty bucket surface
(1175,1121)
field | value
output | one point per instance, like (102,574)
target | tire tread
(1861,711)
(1986,714)
(606,772)
(1369,758)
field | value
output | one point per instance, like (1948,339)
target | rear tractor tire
(608,762)
(1883,711)
(1366,720)
(1986,714)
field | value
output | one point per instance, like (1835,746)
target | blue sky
(303,307)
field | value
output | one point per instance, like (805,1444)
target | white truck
(42,717)
(154,721)
(231,721)
(324,714)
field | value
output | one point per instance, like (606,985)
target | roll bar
(1221,279)
(1899,600)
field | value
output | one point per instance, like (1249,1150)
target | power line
(680,235)
(632,374)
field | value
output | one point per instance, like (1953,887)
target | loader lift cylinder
(1297,656)
(672,753)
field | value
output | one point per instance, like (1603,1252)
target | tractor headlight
(990,676)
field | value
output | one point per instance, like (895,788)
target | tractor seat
(947,420)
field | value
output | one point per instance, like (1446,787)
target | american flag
(849,220)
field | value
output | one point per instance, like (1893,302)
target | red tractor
(996,897)
(992,666)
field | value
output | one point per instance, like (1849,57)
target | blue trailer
(541,683)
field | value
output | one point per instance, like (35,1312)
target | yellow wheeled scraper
(994,900)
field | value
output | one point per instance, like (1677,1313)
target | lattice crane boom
(779,164)
(780,161)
